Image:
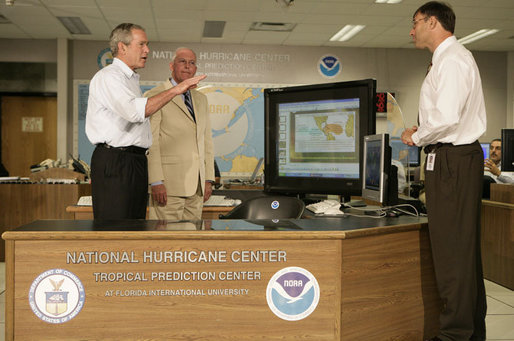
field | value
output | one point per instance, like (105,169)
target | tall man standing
(181,160)
(117,123)
(451,119)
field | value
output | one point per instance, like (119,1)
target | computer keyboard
(85,201)
(330,207)
(221,200)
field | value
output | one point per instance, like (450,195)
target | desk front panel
(151,295)
(22,203)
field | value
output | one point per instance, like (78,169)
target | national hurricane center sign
(240,66)
(58,295)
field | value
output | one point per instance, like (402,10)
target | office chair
(486,187)
(272,207)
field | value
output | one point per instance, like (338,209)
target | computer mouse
(393,213)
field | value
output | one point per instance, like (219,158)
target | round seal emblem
(104,58)
(56,296)
(292,293)
(275,204)
(329,66)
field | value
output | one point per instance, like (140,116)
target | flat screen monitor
(485,149)
(407,155)
(313,137)
(380,183)
(507,160)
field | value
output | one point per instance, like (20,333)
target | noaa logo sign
(292,293)
(329,66)
(275,204)
(104,58)
(56,296)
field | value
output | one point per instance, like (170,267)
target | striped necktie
(189,104)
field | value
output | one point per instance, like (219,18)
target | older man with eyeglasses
(181,160)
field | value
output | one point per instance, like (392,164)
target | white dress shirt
(116,108)
(451,104)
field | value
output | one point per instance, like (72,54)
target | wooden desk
(498,235)
(375,280)
(86,212)
(22,203)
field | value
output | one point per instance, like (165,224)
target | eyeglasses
(414,22)
(184,62)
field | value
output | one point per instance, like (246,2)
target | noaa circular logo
(292,293)
(104,58)
(275,204)
(56,296)
(329,66)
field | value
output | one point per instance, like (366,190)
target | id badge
(430,161)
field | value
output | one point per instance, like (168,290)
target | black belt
(129,149)
(433,147)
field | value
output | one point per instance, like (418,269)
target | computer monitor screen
(407,155)
(507,159)
(380,182)
(313,137)
(485,149)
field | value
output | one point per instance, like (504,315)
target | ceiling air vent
(272,26)
(74,25)
(213,29)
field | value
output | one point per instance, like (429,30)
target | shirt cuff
(141,107)
(156,183)
(415,139)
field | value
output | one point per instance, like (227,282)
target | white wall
(398,70)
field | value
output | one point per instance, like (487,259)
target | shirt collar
(443,46)
(124,68)
(174,83)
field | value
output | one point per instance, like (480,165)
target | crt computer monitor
(380,183)
(313,137)
(507,159)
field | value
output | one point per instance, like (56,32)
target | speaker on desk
(269,207)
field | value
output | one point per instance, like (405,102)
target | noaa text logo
(292,293)
(104,58)
(275,204)
(56,296)
(329,66)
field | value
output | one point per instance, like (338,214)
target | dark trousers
(453,193)
(119,184)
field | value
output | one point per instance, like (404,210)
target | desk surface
(347,226)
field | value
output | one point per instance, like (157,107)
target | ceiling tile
(316,20)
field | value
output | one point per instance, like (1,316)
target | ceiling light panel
(388,1)
(347,32)
(477,36)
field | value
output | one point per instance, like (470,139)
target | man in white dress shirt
(493,164)
(117,123)
(451,119)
